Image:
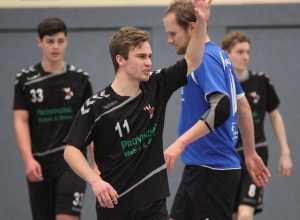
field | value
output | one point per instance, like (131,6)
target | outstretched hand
(257,170)
(171,154)
(202,9)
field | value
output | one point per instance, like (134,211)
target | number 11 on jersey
(125,125)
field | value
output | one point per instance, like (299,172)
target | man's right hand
(33,171)
(105,193)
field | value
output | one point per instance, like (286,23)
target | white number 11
(125,125)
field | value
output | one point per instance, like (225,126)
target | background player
(263,99)
(47,97)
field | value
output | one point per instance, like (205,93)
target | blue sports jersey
(216,74)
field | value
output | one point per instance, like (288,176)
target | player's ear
(120,60)
(191,27)
(38,41)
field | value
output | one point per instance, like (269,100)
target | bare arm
(202,127)
(171,153)
(95,167)
(285,161)
(21,124)
(195,49)
(255,166)
(105,193)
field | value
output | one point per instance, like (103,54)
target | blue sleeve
(210,76)
(215,76)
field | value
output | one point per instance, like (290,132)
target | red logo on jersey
(68,92)
(255,97)
(150,109)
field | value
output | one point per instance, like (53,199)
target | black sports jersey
(262,98)
(128,138)
(52,101)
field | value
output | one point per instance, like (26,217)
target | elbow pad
(218,111)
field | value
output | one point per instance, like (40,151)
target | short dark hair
(123,40)
(51,26)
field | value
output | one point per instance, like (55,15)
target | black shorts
(61,192)
(205,193)
(248,193)
(153,211)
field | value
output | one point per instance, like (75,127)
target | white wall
(104,3)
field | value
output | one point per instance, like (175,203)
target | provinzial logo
(68,92)
(54,114)
(138,143)
(150,109)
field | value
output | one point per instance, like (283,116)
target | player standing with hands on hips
(125,121)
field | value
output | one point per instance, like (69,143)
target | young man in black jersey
(262,99)
(47,97)
(125,121)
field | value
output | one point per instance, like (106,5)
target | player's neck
(53,67)
(207,39)
(125,87)
(242,75)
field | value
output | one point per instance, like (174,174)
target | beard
(180,50)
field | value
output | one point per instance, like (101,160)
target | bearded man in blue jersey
(213,108)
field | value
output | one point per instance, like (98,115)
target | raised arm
(21,124)
(255,166)
(285,162)
(195,49)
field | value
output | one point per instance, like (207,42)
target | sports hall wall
(273,28)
